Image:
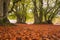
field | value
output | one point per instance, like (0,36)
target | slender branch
(53,14)
(14,5)
(53,7)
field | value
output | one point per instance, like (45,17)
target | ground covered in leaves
(30,32)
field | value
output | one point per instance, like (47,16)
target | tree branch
(13,5)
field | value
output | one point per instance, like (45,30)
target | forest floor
(30,32)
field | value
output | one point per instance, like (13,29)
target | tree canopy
(29,11)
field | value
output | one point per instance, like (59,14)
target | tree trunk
(19,17)
(36,19)
(23,14)
(41,10)
(51,16)
(45,13)
(4,9)
(1,8)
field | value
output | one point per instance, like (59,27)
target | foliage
(40,11)
(48,11)
(12,16)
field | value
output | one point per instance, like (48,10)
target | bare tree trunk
(36,19)
(1,12)
(4,9)
(41,10)
(23,14)
(1,8)
(45,13)
(19,17)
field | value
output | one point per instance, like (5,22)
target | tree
(36,18)
(49,12)
(53,12)
(41,10)
(20,7)
(4,10)
(20,12)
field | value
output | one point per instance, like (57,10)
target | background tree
(4,10)
(36,18)
(39,11)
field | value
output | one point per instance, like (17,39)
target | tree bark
(41,10)
(1,8)
(36,19)
(4,9)
(45,13)
(23,14)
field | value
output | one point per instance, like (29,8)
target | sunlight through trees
(26,11)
